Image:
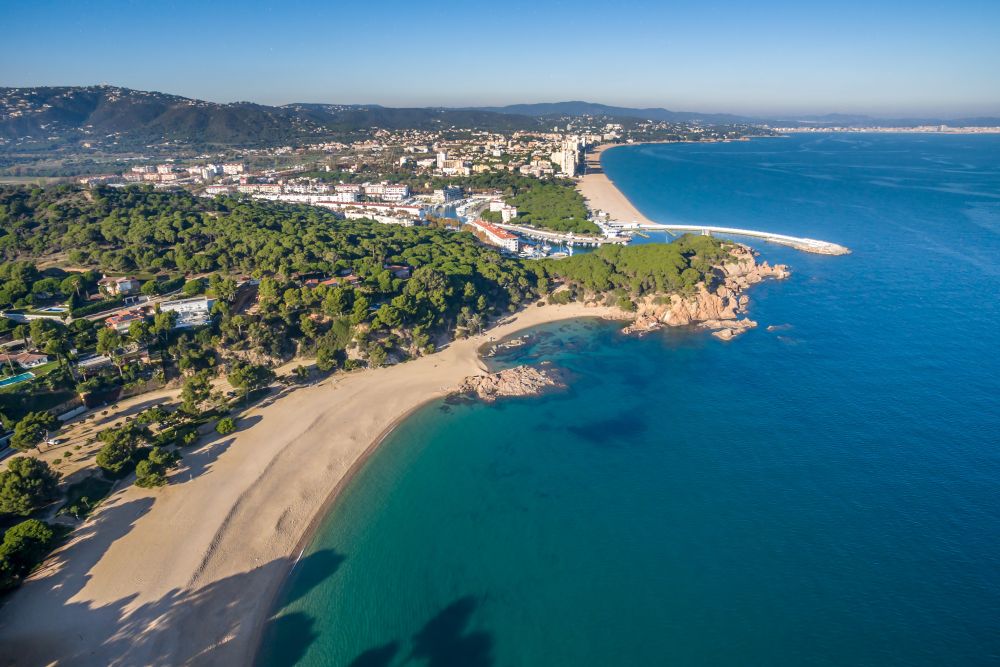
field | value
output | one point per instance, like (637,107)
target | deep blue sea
(820,491)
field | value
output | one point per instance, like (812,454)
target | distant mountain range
(115,118)
(577,108)
(593,109)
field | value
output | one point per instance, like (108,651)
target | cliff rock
(717,306)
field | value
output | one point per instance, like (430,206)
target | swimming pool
(15,379)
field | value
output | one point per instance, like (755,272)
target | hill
(115,118)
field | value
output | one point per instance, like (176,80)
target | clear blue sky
(881,57)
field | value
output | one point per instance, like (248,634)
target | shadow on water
(380,656)
(624,426)
(295,632)
(444,641)
(311,571)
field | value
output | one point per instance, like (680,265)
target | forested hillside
(118,119)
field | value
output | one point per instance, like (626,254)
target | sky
(765,57)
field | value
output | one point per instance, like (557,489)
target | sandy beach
(602,195)
(185,574)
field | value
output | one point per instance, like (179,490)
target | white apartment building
(568,157)
(494,235)
(308,188)
(395,192)
(232,168)
(344,196)
(252,188)
(403,221)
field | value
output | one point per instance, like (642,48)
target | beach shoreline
(600,192)
(188,573)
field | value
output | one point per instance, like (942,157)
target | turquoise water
(823,493)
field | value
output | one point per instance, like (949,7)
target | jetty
(619,233)
(799,243)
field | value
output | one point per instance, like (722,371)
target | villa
(119,286)
(25,360)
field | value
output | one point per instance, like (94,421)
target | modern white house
(193,312)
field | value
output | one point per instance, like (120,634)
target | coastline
(187,574)
(602,195)
(600,192)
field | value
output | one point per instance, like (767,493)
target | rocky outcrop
(518,381)
(717,307)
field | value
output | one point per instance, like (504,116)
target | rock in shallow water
(518,381)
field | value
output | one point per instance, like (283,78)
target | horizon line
(500,108)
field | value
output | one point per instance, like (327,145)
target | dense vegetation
(172,240)
(643,269)
(550,203)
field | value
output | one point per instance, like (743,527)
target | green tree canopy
(26,485)
(24,546)
(32,429)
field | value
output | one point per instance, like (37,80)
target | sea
(823,490)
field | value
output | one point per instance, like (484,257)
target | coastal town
(151,315)
(413,178)
(499,334)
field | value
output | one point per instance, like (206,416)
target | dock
(799,243)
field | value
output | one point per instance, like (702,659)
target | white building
(263,188)
(344,197)
(395,192)
(193,312)
(494,235)
(402,220)
(232,168)
(506,211)
(308,188)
